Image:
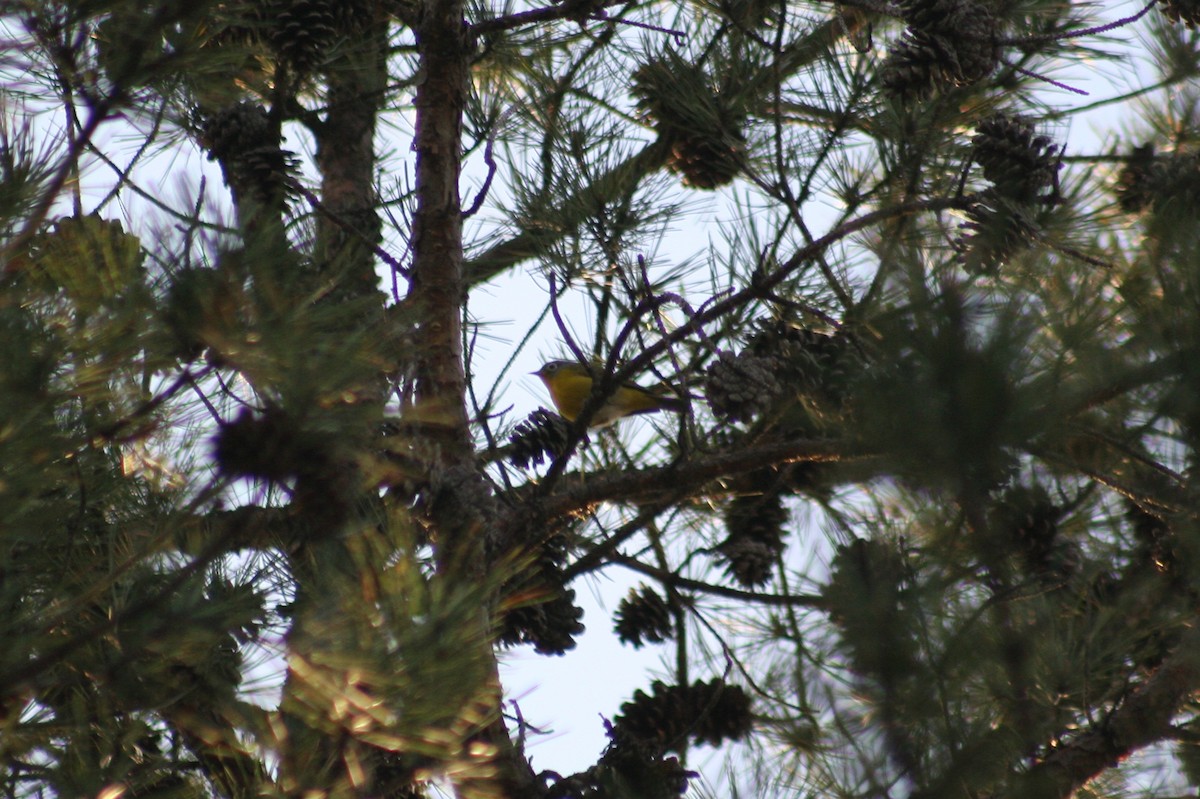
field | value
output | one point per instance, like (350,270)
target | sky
(563,695)
(548,688)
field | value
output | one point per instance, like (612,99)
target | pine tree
(268,518)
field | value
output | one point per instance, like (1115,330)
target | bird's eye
(551,368)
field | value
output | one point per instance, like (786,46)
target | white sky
(565,694)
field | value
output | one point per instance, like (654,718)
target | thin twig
(109,432)
(123,174)
(490,160)
(677,581)
(526,18)
(316,203)
(561,323)
(799,258)
(49,196)
(679,36)
(1074,34)
(1046,79)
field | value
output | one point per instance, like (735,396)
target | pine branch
(532,242)
(437,288)
(350,227)
(535,16)
(1144,718)
(645,486)
(437,283)
(680,582)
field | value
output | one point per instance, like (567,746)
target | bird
(570,385)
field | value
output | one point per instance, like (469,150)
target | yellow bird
(570,385)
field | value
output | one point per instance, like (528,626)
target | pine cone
(707,159)
(270,446)
(542,609)
(628,768)
(550,622)
(1027,518)
(722,712)
(912,69)
(1137,180)
(947,43)
(1023,169)
(749,14)
(1180,182)
(242,140)
(199,303)
(741,387)
(703,126)
(748,562)
(758,518)
(236,130)
(650,87)
(643,616)
(977,52)
(712,712)
(1185,11)
(1157,544)
(865,596)
(1166,183)
(663,718)
(305,31)
(540,435)
(812,363)
(755,527)
(269,168)
(997,229)
(930,14)
(1020,164)
(632,768)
